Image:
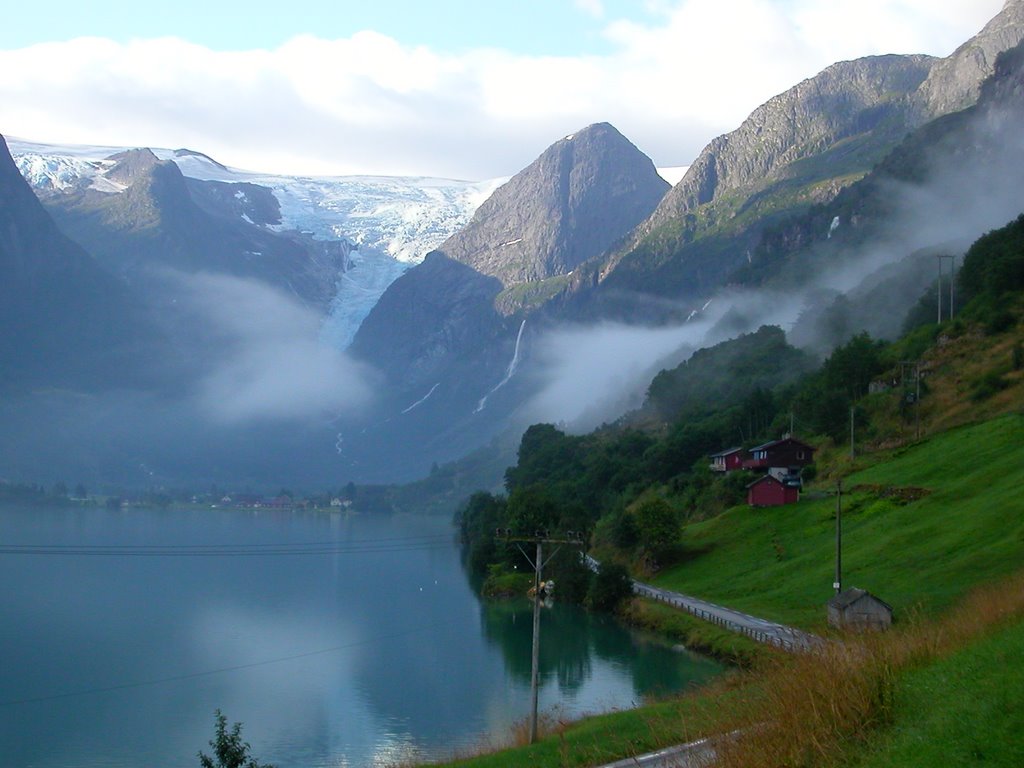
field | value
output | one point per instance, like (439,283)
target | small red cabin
(767,491)
(727,461)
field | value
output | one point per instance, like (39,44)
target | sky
(451,88)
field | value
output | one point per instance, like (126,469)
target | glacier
(391,222)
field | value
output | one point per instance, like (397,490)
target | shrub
(609,588)
(229,749)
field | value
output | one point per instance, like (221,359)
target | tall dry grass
(819,706)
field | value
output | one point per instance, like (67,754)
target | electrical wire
(364,546)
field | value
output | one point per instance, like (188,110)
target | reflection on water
(577,647)
(367,655)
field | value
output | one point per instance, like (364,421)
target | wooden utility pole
(572,538)
(837,585)
(952,272)
(535,652)
(852,454)
(904,364)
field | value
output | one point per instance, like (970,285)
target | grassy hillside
(921,526)
(967,709)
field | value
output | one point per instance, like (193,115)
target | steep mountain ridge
(798,149)
(63,319)
(963,165)
(156,219)
(581,195)
(955,82)
(569,205)
(853,108)
(380,225)
(449,335)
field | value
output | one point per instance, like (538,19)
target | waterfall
(509,374)
(833,227)
(422,399)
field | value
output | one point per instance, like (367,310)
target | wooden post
(837,585)
(852,454)
(535,669)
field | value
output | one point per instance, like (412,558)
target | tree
(610,586)
(657,524)
(532,509)
(229,749)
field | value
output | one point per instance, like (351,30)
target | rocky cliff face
(448,335)
(580,196)
(63,319)
(845,100)
(142,213)
(955,82)
(571,204)
(438,307)
(800,148)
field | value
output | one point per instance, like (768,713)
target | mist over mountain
(167,320)
(454,325)
(579,197)
(858,262)
(799,149)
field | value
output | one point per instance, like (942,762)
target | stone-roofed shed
(857,609)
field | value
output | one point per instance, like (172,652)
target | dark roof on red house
(765,479)
(779,443)
(726,452)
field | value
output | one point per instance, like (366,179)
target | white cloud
(269,362)
(370,104)
(594,8)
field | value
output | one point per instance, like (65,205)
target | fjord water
(372,649)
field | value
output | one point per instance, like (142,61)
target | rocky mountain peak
(846,99)
(954,82)
(583,193)
(128,167)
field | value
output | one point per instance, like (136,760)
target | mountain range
(449,312)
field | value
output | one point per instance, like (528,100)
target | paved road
(696,754)
(761,630)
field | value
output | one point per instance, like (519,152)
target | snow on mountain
(393,222)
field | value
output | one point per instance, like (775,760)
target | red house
(787,452)
(767,491)
(727,461)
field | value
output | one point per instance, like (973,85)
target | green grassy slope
(967,709)
(966,529)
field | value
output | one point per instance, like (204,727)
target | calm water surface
(374,652)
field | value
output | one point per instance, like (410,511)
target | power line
(365,546)
(222,670)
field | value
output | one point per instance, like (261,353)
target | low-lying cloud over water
(269,362)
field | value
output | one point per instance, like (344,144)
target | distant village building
(728,460)
(769,491)
(858,610)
